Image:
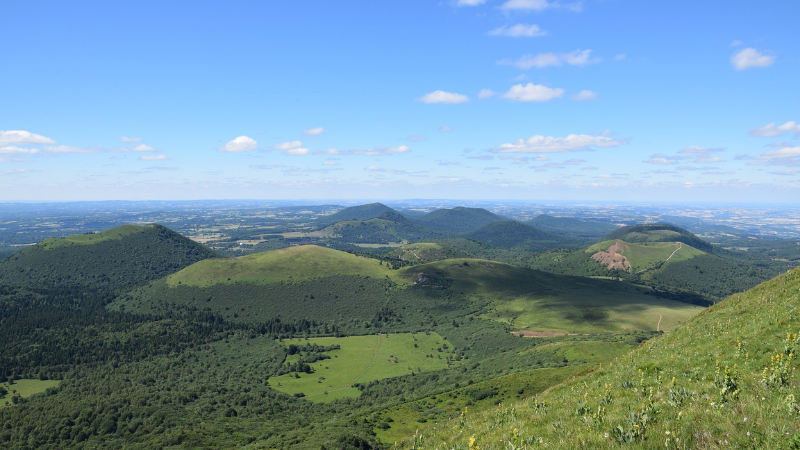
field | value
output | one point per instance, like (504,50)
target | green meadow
(25,388)
(362,359)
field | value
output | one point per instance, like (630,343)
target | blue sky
(462,99)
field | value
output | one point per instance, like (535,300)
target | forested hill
(658,232)
(572,227)
(520,237)
(459,219)
(361,212)
(119,257)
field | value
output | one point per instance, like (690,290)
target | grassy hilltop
(725,379)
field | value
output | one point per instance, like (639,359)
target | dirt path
(350,384)
(680,246)
(658,327)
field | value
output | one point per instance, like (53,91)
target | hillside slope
(669,266)
(726,379)
(361,212)
(658,232)
(119,257)
(459,219)
(519,237)
(568,226)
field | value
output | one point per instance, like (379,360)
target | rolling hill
(123,256)
(724,379)
(520,237)
(361,212)
(388,228)
(345,291)
(688,272)
(658,233)
(459,219)
(567,226)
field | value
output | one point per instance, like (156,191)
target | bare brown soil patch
(612,258)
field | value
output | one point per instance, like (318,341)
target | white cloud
(518,30)
(130,139)
(750,57)
(784,153)
(16,171)
(486,93)
(383,169)
(532,93)
(736,43)
(288,145)
(380,151)
(266,166)
(550,144)
(772,130)
(14,149)
(418,138)
(292,148)
(620,57)
(367,152)
(23,137)
(162,168)
(143,148)
(154,158)
(574,58)
(297,151)
(330,162)
(445,129)
(698,155)
(539,5)
(585,95)
(314,132)
(443,97)
(240,144)
(786,172)
(69,149)
(470,2)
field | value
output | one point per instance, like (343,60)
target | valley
(341,335)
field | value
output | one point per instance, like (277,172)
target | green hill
(361,212)
(424,252)
(518,236)
(691,274)
(568,226)
(119,257)
(726,379)
(287,264)
(658,233)
(388,228)
(526,299)
(459,219)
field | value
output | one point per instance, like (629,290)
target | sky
(619,100)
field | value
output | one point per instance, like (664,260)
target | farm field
(362,359)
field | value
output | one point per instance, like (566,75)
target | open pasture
(362,359)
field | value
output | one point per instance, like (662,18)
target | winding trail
(680,246)
(350,384)
(658,327)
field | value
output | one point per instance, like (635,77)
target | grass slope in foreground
(361,359)
(727,379)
